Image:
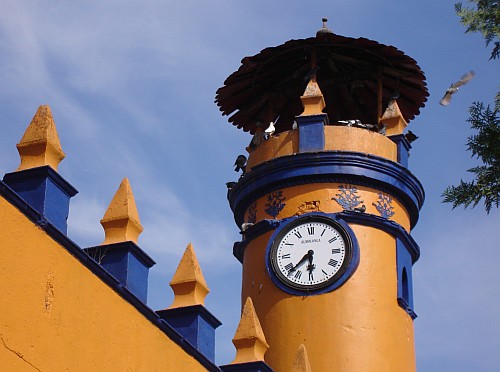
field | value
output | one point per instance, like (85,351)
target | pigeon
(257,139)
(240,163)
(357,123)
(270,129)
(245,226)
(361,209)
(445,101)
(410,136)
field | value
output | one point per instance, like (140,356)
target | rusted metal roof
(357,78)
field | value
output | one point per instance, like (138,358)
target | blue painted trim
(128,246)
(247,367)
(349,270)
(405,278)
(127,262)
(253,232)
(388,226)
(329,166)
(46,191)
(312,132)
(365,219)
(12,197)
(196,324)
(403,148)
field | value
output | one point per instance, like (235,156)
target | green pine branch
(485,145)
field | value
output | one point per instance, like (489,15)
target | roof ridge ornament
(312,100)
(249,339)
(324,29)
(121,221)
(40,144)
(188,282)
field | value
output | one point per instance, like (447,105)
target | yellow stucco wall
(56,315)
(336,139)
(359,326)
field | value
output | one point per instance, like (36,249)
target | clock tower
(326,202)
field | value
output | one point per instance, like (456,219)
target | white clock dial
(310,254)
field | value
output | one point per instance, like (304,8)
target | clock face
(311,253)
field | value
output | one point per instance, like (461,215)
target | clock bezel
(348,267)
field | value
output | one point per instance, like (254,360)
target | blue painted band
(359,218)
(403,147)
(247,367)
(404,305)
(312,132)
(123,247)
(38,173)
(198,310)
(327,167)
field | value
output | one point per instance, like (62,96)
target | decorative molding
(365,219)
(275,203)
(384,205)
(308,207)
(347,197)
(328,167)
(252,213)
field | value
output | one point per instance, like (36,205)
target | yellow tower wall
(57,315)
(359,326)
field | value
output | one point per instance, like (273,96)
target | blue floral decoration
(252,213)
(384,206)
(347,197)
(275,203)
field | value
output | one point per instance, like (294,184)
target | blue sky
(131,85)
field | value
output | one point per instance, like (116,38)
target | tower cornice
(328,167)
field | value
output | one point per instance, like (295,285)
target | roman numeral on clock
(298,274)
(298,234)
(332,240)
(333,262)
(285,256)
(289,267)
(310,230)
(335,250)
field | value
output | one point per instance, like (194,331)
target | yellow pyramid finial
(188,283)
(301,362)
(40,144)
(312,100)
(121,221)
(393,119)
(249,339)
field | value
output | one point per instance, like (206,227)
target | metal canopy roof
(356,76)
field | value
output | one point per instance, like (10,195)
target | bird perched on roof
(240,163)
(410,136)
(361,209)
(270,129)
(445,101)
(257,139)
(245,226)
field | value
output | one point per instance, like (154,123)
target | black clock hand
(307,256)
(310,266)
